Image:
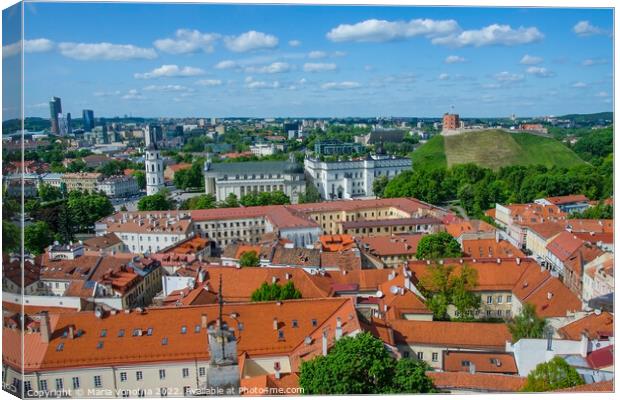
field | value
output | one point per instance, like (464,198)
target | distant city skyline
(190,60)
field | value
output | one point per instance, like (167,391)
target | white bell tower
(153,163)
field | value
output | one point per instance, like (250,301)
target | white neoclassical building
(241,178)
(352,178)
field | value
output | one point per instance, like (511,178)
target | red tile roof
(573,198)
(477,382)
(564,245)
(601,358)
(594,325)
(394,245)
(502,363)
(257,338)
(604,386)
(466,335)
(490,248)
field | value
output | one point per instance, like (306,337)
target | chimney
(45,327)
(203,321)
(275,324)
(324,342)
(338,328)
(549,295)
(71,333)
(472,368)
(499,260)
(583,345)
(518,261)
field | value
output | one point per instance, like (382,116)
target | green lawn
(494,149)
(431,154)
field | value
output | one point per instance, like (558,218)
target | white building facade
(354,178)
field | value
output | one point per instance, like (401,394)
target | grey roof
(257,167)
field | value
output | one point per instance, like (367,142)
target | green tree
(311,195)
(202,202)
(231,201)
(10,236)
(438,245)
(275,291)
(379,185)
(442,287)
(599,211)
(361,365)
(410,377)
(249,259)
(49,193)
(140,177)
(37,237)
(552,375)
(85,209)
(191,177)
(156,202)
(527,324)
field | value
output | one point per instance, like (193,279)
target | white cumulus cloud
(494,34)
(374,30)
(294,43)
(340,85)
(250,83)
(167,88)
(540,72)
(579,85)
(40,45)
(187,41)
(273,68)
(249,41)
(226,64)
(105,51)
(317,54)
(530,60)
(443,77)
(170,70)
(506,76)
(454,59)
(593,61)
(133,94)
(319,67)
(585,28)
(209,82)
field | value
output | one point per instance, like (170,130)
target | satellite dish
(379,294)
(394,289)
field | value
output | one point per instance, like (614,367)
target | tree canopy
(442,287)
(156,202)
(37,236)
(527,324)
(275,291)
(362,365)
(249,259)
(438,245)
(201,202)
(264,199)
(85,209)
(552,375)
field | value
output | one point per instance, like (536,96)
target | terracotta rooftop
(604,386)
(470,335)
(601,358)
(590,225)
(390,222)
(157,334)
(336,242)
(391,245)
(102,242)
(501,363)
(477,382)
(564,245)
(459,227)
(162,222)
(296,256)
(547,230)
(344,260)
(570,199)
(525,279)
(595,326)
(490,248)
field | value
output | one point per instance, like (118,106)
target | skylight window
(164,341)
(149,332)
(99,345)
(197,329)
(104,333)
(60,347)
(121,333)
(184,329)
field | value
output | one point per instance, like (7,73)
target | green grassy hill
(494,149)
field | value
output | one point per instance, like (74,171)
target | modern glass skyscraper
(88,117)
(55,109)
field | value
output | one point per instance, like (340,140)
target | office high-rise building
(55,109)
(88,117)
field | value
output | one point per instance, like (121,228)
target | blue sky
(207,60)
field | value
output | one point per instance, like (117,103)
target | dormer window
(184,329)
(60,347)
(121,333)
(104,333)
(164,341)
(149,332)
